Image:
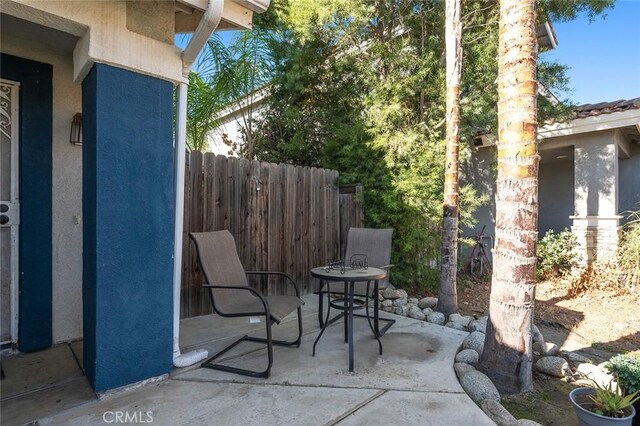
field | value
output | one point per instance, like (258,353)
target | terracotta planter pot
(588,418)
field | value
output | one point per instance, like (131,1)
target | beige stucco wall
(232,123)
(230,126)
(67,188)
(106,37)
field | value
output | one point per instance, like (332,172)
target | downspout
(206,27)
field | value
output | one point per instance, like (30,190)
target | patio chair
(231,296)
(376,245)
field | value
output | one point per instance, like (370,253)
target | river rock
(400,302)
(536,335)
(545,348)
(576,358)
(436,318)
(469,356)
(551,349)
(462,368)
(527,422)
(428,302)
(391,293)
(401,310)
(416,313)
(496,412)
(553,366)
(479,387)
(477,325)
(464,320)
(456,326)
(387,302)
(388,308)
(474,341)
(412,301)
(595,373)
(427,311)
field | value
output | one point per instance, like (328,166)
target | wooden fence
(351,201)
(283,218)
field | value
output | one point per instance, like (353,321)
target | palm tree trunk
(507,353)
(447,295)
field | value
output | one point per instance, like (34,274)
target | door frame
(14,198)
(35,243)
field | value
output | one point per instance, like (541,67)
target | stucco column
(128,226)
(596,222)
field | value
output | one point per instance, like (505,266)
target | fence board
(283,218)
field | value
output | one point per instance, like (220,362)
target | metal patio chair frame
(356,246)
(225,241)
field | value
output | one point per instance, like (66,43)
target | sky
(603,56)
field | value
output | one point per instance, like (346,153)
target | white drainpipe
(206,27)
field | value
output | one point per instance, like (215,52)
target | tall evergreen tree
(359,86)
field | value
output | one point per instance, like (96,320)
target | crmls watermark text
(127,417)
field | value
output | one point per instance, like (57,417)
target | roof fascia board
(234,16)
(257,6)
(254,98)
(591,124)
(196,4)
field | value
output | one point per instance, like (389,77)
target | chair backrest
(221,266)
(374,243)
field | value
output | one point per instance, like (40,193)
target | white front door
(9,211)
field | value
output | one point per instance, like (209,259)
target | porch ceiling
(49,38)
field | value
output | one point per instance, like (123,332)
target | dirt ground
(601,319)
(598,324)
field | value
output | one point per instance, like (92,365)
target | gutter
(206,27)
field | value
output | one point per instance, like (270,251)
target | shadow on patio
(413,381)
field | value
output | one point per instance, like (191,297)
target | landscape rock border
(476,384)
(548,358)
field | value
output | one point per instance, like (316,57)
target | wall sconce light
(75,137)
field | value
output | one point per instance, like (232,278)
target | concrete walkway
(413,381)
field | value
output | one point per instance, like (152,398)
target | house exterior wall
(232,122)
(596,173)
(629,171)
(587,195)
(66,189)
(230,126)
(555,196)
(479,170)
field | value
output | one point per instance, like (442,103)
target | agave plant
(611,402)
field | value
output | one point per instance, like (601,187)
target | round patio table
(348,304)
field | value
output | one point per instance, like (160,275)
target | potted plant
(627,370)
(603,405)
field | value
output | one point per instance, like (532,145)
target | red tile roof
(590,110)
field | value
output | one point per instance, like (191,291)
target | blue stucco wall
(35,177)
(128,226)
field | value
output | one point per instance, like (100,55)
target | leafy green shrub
(556,253)
(627,368)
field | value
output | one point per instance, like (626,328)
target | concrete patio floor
(413,381)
